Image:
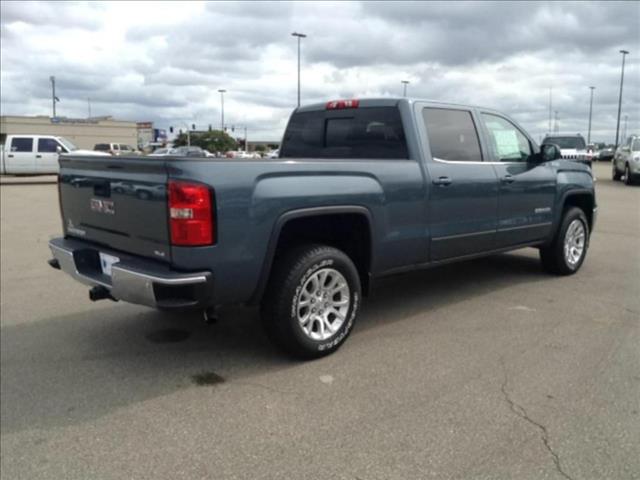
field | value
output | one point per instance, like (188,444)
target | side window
(22,144)
(508,143)
(48,145)
(452,135)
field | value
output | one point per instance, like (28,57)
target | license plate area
(106,262)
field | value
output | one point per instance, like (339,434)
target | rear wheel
(628,179)
(567,251)
(615,175)
(312,301)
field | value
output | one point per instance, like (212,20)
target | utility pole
(89,106)
(222,92)
(550,103)
(590,111)
(405,82)
(624,131)
(54,99)
(556,128)
(624,54)
(246,148)
(299,35)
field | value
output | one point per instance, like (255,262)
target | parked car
(115,149)
(161,152)
(36,154)
(572,147)
(626,161)
(362,189)
(606,154)
(188,152)
(273,154)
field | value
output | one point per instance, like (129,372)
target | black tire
(553,256)
(280,304)
(628,179)
(615,175)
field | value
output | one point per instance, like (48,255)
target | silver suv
(626,161)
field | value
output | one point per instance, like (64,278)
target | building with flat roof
(83,132)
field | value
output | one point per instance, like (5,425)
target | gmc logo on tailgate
(103,206)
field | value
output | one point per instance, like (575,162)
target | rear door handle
(38,156)
(10,156)
(442,181)
(508,179)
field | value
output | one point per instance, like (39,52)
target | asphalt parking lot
(487,369)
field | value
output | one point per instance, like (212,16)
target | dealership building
(83,132)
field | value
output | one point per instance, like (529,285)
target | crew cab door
(463,194)
(47,155)
(527,185)
(19,156)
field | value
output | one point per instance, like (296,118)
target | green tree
(213,140)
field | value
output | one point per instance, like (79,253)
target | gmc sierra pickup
(362,189)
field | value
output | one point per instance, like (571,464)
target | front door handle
(10,156)
(38,156)
(508,179)
(442,181)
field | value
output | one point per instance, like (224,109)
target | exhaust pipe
(100,293)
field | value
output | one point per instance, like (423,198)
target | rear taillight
(342,104)
(191,215)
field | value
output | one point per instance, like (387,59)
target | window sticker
(506,143)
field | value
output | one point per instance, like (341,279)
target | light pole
(624,54)
(556,128)
(550,103)
(405,83)
(624,131)
(54,99)
(590,111)
(89,106)
(299,35)
(222,92)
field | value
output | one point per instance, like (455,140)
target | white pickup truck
(36,154)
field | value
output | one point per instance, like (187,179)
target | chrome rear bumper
(133,279)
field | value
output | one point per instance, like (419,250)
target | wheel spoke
(325,290)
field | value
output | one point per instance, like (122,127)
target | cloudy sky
(164,61)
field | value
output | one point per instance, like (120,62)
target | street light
(590,110)
(54,99)
(222,92)
(299,35)
(624,54)
(405,82)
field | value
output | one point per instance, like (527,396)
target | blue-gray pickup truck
(362,189)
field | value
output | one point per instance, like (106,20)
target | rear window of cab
(370,132)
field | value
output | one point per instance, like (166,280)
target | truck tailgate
(119,202)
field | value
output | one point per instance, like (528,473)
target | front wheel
(567,251)
(312,301)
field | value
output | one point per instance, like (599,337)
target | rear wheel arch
(347,228)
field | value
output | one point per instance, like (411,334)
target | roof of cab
(384,102)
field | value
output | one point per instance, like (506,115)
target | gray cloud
(165,62)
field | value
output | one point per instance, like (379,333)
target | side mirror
(58,149)
(549,152)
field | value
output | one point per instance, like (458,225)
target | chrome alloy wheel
(574,242)
(323,303)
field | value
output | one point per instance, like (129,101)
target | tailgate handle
(102,189)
